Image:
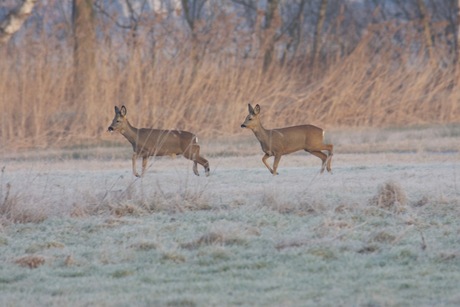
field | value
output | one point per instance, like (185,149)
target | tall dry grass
(366,88)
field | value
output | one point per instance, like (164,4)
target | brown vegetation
(32,261)
(379,82)
(12,209)
(36,111)
(390,196)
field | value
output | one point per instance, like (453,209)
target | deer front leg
(264,160)
(275,164)
(134,165)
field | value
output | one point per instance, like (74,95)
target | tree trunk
(15,19)
(426,30)
(195,50)
(317,35)
(456,74)
(295,33)
(84,46)
(456,26)
(270,36)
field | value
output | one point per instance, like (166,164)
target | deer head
(252,120)
(119,122)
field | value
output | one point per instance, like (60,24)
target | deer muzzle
(243,126)
(110,129)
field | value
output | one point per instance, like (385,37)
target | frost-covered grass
(383,230)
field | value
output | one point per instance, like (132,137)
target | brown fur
(283,141)
(155,142)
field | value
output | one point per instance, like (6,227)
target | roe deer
(282,141)
(154,142)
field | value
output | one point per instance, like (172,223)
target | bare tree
(15,19)
(294,31)
(134,20)
(425,19)
(270,39)
(192,9)
(84,43)
(456,26)
(318,29)
(458,21)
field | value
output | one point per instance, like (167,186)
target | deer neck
(261,133)
(130,133)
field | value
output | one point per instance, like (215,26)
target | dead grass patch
(368,249)
(181,303)
(69,261)
(332,226)
(144,246)
(31,261)
(48,245)
(136,203)
(186,199)
(323,253)
(116,209)
(383,237)
(449,256)
(214,238)
(390,196)
(291,243)
(300,208)
(422,202)
(173,203)
(11,209)
(173,256)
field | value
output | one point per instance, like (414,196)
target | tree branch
(15,19)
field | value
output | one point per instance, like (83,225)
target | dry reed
(40,107)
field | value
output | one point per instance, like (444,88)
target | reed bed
(42,106)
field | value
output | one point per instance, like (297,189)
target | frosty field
(78,229)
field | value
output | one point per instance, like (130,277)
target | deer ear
(250,109)
(256,109)
(117,110)
(123,111)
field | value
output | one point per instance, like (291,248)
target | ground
(77,228)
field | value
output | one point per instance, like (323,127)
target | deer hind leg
(195,168)
(329,148)
(323,158)
(199,159)
(134,157)
(145,159)
(193,153)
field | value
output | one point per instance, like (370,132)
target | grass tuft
(390,196)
